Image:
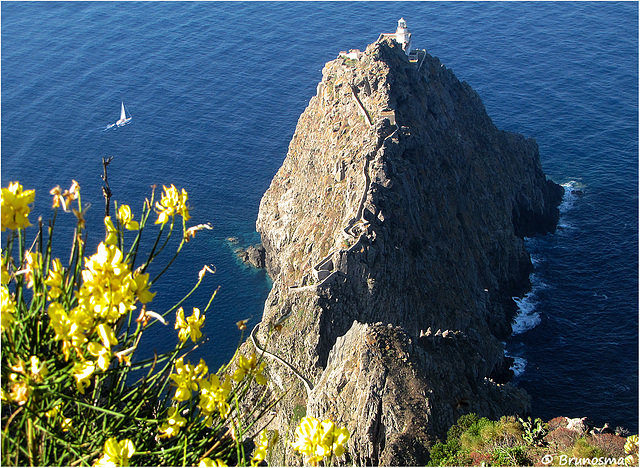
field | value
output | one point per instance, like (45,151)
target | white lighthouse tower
(403,36)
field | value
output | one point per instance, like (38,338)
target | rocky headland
(393,233)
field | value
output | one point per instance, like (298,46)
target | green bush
(582,449)
(451,452)
(511,456)
(474,440)
(445,454)
(479,434)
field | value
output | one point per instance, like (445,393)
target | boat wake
(121,122)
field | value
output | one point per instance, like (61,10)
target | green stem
(30,441)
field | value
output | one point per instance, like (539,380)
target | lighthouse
(403,36)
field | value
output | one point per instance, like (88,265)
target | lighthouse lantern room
(403,36)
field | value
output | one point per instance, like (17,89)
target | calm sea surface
(215,90)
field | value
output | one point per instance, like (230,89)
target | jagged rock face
(386,378)
(399,202)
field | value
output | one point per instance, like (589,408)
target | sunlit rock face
(393,235)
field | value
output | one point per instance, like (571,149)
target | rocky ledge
(393,233)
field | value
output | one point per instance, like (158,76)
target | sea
(215,90)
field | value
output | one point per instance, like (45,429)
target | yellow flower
(55,279)
(102,353)
(125,217)
(8,308)
(66,424)
(172,202)
(340,437)
(317,440)
(206,462)
(264,444)
(213,397)
(65,199)
(107,336)
(251,367)
(20,388)
(141,288)
(108,288)
(83,371)
(37,370)
(189,327)
(307,434)
(14,206)
(116,453)
(20,392)
(33,267)
(6,276)
(53,412)
(112,232)
(186,378)
(631,450)
(173,423)
(68,328)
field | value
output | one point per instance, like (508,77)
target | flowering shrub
(319,440)
(631,450)
(73,392)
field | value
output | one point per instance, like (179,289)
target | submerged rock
(253,255)
(399,208)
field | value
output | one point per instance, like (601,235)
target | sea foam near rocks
(528,315)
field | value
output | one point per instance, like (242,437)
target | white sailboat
(123,117)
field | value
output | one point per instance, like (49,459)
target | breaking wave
(528,316)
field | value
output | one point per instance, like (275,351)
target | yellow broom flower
(15,206)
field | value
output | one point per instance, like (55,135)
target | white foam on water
(572,191)
(528,316)
(519,363)
(518,366)
(535,258)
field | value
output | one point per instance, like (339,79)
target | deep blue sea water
(215,90)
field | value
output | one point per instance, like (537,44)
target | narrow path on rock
(348,230)
(306,383)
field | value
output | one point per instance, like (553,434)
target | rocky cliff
(393,234)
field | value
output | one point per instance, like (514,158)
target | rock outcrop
(253,255)
(393,234)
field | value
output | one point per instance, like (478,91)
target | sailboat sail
(123,120)
(123,117)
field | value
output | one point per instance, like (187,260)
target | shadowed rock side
(393,233)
